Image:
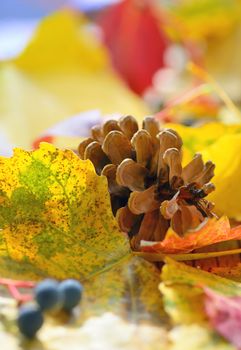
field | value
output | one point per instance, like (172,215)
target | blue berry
(30,320)
(72,293)
(47,295)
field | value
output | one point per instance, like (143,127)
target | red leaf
(224,314)
(133,33)
(46,138)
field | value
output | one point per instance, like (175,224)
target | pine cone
(150,190)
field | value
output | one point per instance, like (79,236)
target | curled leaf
(210,232)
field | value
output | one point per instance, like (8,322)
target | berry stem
(16,283)
(13,286)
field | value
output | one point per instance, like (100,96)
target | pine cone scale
(117,147)
(132,175)
(144,202)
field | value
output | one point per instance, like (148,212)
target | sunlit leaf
(62,72)
(196,139)
(225,315)
(55,213)
(213,140)
(183,291)
(206,18)
(227,174)
(211,232)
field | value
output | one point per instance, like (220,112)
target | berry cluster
(49,295)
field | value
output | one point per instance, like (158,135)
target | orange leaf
(213,231)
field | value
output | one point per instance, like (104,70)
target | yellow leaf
(57,222)
(129,290)
(25,271)
(195,139)
(63,71)
(225,153)
(222,144)
(58,44)
(182,288)
(207,18)
(55,213)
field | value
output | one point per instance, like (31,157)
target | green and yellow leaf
(197,337)
(182,289)
(55,214)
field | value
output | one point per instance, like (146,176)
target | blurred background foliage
(59,59)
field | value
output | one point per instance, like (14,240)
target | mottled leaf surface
(225,266)
(233,272)
(55,214)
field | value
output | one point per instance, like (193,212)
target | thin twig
(185,257)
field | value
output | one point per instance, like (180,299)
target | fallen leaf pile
(144,214)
